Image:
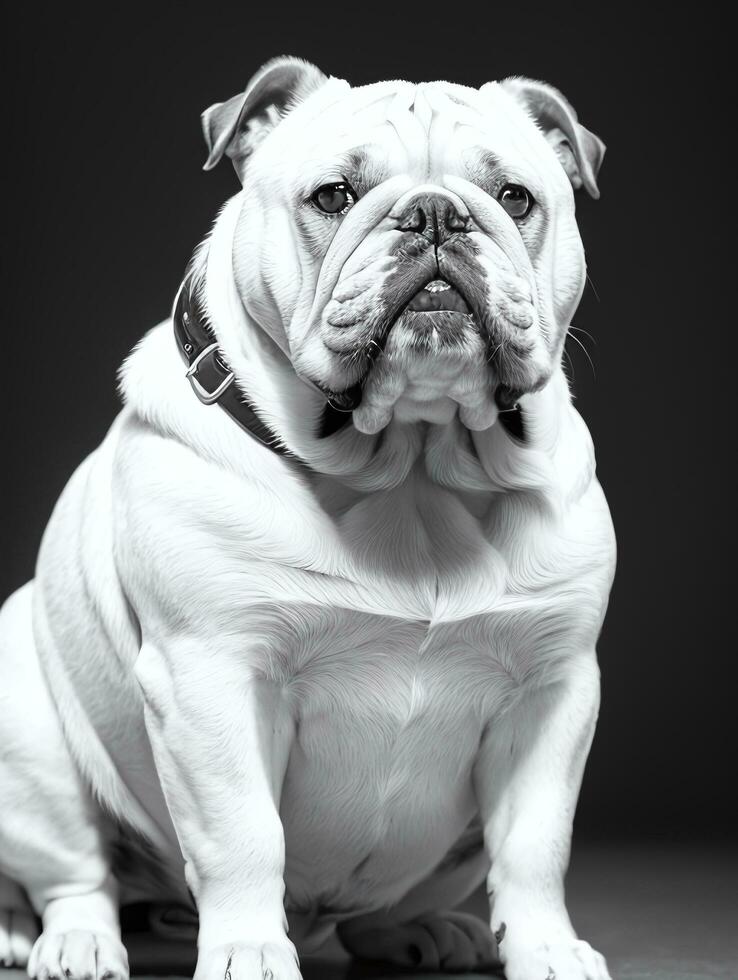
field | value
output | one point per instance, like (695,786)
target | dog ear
(237,126)
(579,151)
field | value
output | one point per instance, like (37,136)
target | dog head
(412,249)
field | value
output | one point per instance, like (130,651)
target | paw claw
(246,961)
(77,955)
(561,958)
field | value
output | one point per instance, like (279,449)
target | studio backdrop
(106,198)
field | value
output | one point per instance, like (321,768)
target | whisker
(586,352)
(585,332)
(571,363)
(594,288)
(493,354)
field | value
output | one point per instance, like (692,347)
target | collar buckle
(205,395)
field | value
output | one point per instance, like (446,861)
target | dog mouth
(438,296)
(433,310)
(429,340)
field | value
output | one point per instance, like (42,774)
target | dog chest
(392,674)
(388,718)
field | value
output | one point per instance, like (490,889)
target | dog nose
(434,216)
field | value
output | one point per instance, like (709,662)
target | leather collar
(208,373)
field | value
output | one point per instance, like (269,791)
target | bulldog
(310,647)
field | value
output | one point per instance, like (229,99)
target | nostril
(435,217)
(456,221)
(416,222)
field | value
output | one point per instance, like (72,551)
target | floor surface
(656,914)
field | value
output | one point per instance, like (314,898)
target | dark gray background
(105,200)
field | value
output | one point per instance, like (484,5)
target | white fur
(313,678)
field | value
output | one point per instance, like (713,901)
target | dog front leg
(221,738)
(527,779)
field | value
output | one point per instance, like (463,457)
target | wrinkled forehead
(424,130)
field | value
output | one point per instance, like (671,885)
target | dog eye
(516,200)
(334,198)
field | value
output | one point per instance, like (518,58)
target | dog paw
(78,955)
(560,960)
(450,941)
(18,931)
(246,961)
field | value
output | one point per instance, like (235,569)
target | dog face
(415,244)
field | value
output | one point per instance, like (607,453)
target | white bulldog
(338,669)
